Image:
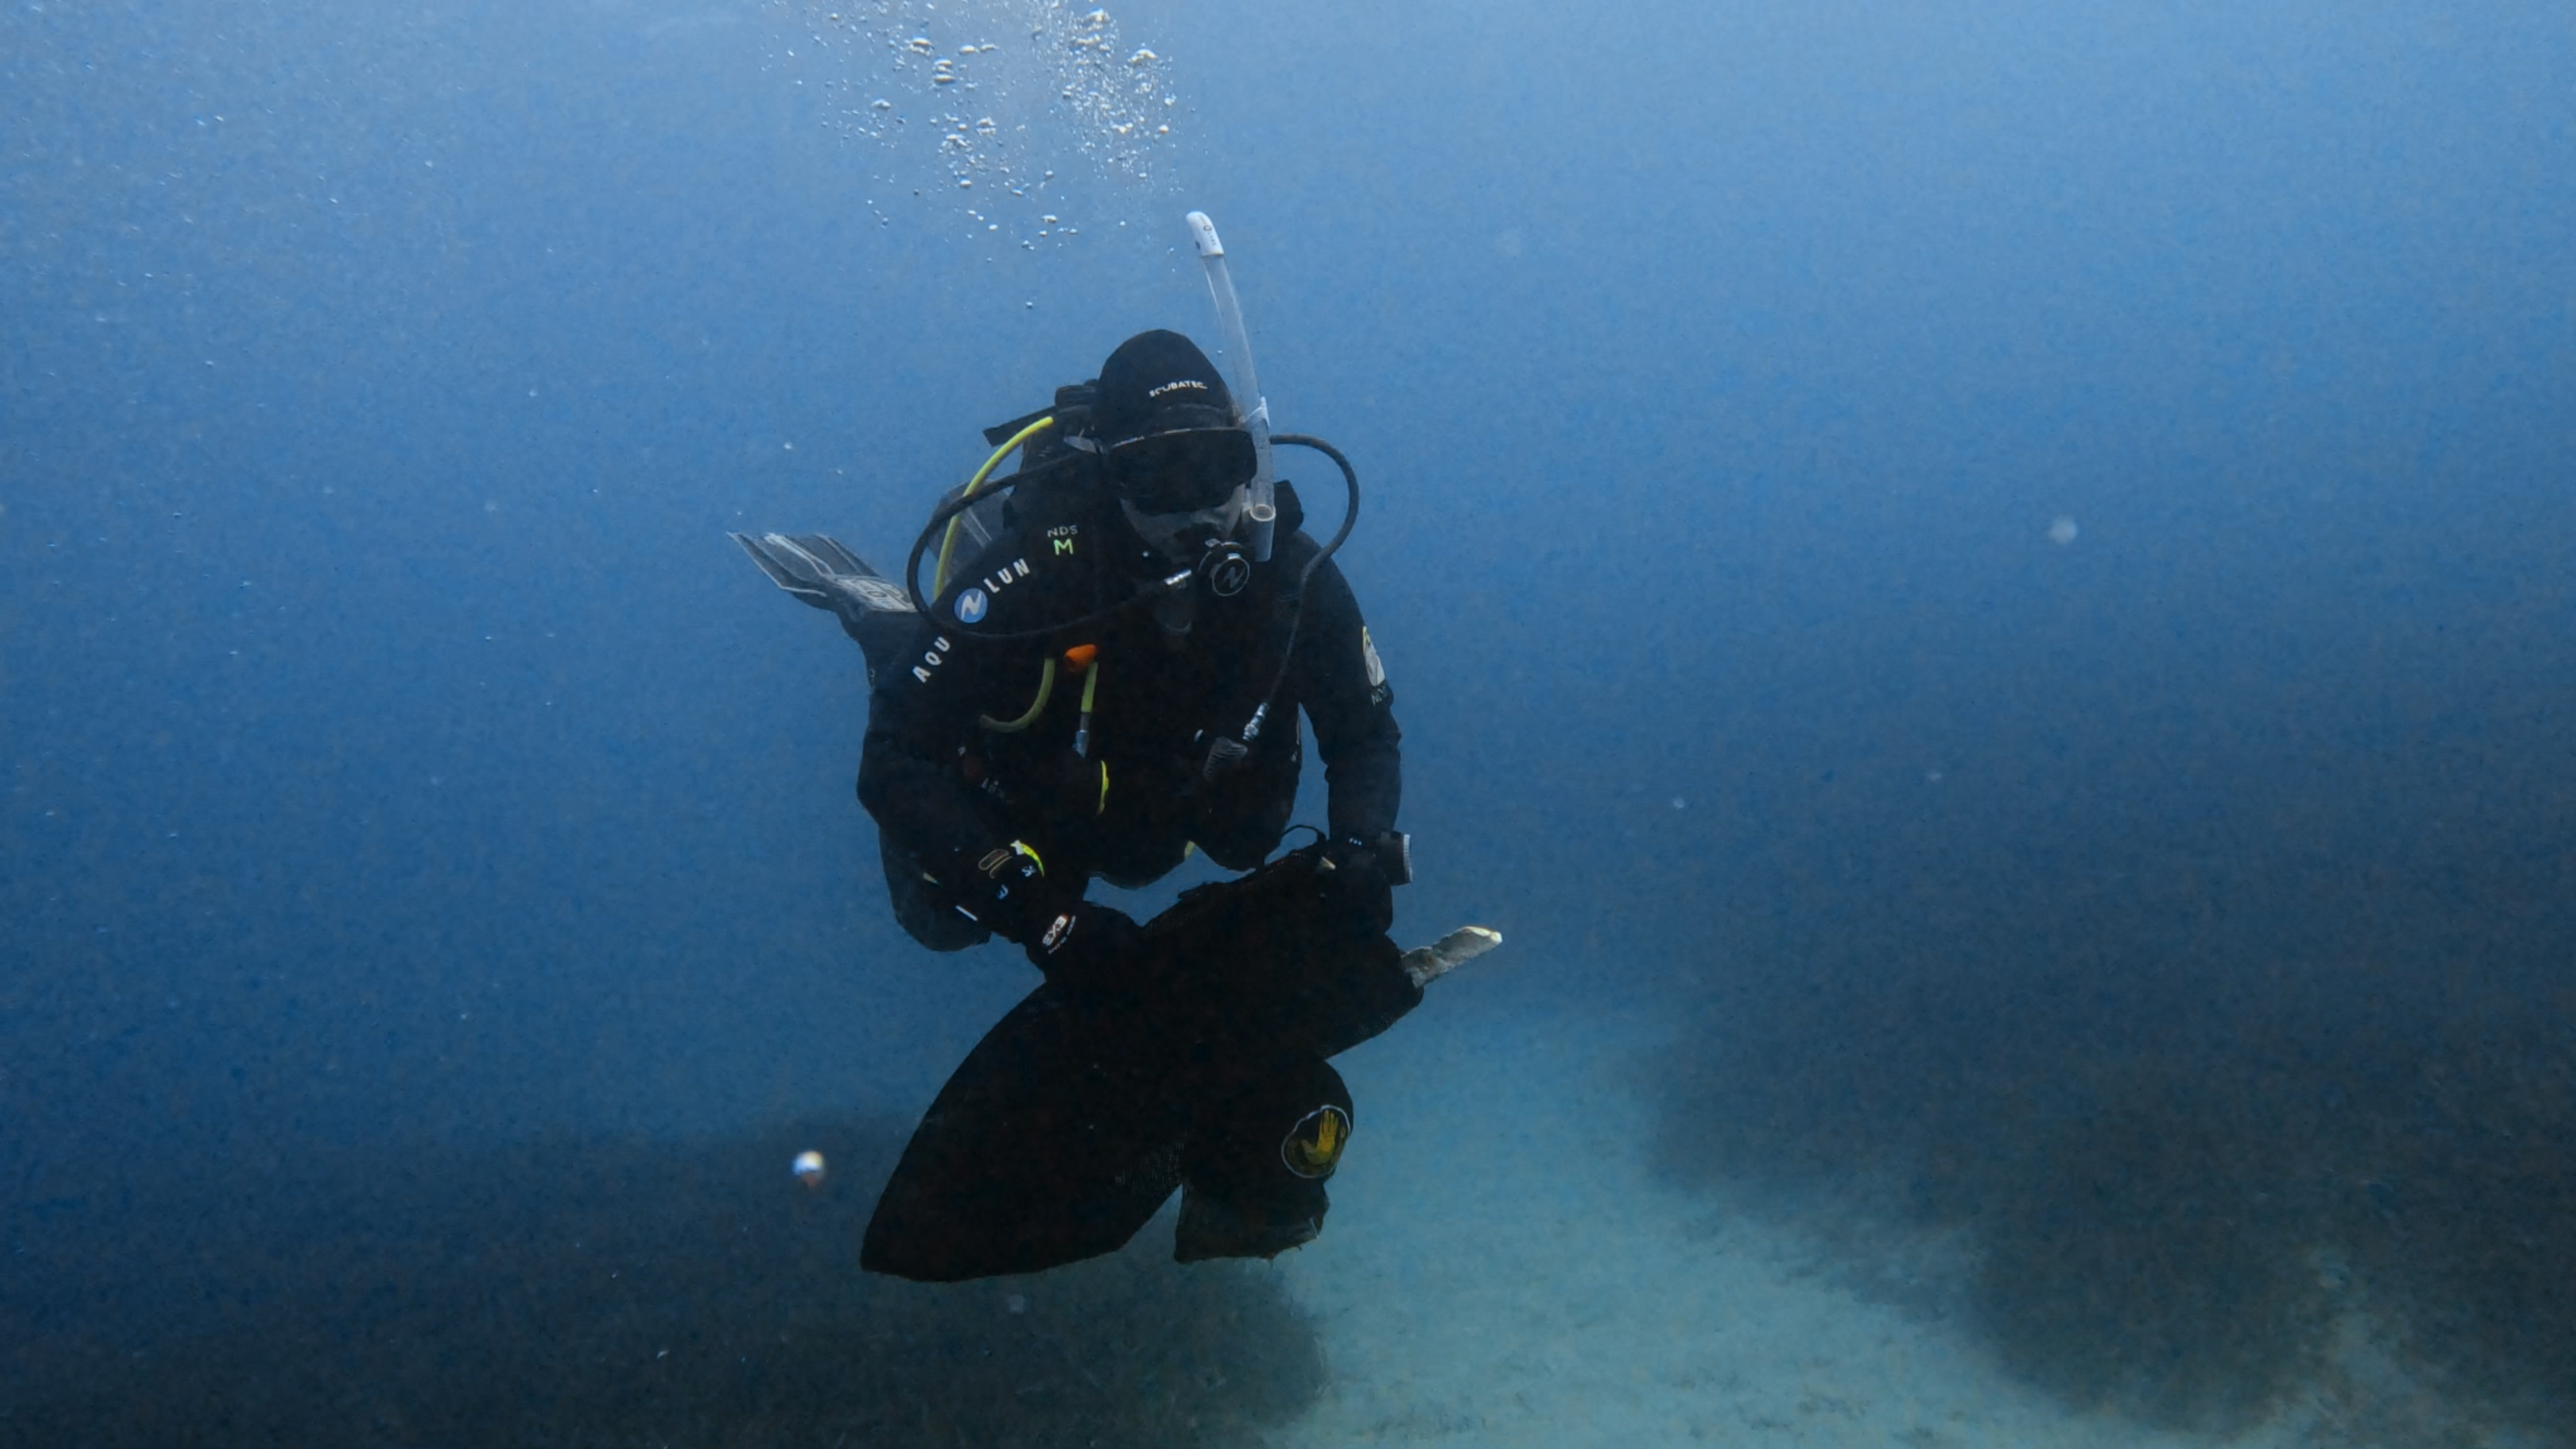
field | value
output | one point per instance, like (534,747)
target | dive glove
(1008,891)
(1071,940)
(1360,875)
(1090,948)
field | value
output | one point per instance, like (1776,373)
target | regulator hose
(1180,579)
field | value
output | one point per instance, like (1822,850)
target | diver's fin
(1057,1138)
(816,568)
(833,556)
(787,567)
(1426,964)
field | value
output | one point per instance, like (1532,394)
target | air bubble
(1081,88)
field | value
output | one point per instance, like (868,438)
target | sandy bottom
(1502,1268)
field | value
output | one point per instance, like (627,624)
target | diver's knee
(1241,849)
(927,913)
(1243,837)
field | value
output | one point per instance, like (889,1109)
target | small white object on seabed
(809,1168)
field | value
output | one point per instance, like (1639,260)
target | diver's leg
(1252,1174)
(817,568)
(1134,859)
(884,636)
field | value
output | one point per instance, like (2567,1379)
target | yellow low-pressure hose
(948,540)
(1037,706)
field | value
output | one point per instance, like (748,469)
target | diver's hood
(1164,428)
(1158,382)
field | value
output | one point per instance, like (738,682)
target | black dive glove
(1073,941)
(1008,891)
(1359,876)
(1091,948)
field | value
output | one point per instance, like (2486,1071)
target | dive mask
(1182,471)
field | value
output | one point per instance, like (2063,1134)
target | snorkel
(1261,510)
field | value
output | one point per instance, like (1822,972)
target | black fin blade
(1074,1118)
(1056,1139)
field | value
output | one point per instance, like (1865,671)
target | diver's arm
(919,712)
(1346,694)
(924,709)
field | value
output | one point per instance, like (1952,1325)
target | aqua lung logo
(1227,573)
(973,604)
(932,658)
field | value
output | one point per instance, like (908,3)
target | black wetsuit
(945,786)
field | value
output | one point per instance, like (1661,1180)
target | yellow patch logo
(1313,1148)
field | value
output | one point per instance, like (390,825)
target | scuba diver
(1169,724)
(1105,678)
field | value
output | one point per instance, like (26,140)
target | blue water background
(397,750)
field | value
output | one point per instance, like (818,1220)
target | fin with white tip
(1426,964)
(816,567)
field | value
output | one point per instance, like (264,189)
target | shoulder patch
(1368,655)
